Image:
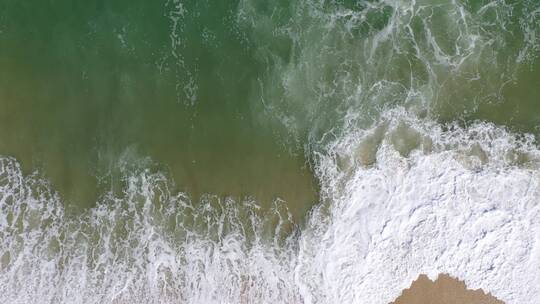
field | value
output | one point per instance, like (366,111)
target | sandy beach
(445,290)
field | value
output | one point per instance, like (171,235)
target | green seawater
(85,83)
(201,88)
(192,86)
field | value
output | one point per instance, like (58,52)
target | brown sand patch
(445,290)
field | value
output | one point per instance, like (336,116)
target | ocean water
(247,151)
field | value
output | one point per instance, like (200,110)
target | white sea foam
(408,195)
(400,197)
(457,204)
(145,246)
(462,200)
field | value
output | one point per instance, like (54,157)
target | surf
(414,117)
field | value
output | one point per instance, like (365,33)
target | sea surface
(249,151)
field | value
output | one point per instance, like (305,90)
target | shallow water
(84,84)
(253,152)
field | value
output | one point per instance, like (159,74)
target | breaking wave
(384,97)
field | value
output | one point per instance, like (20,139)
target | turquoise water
(253,152)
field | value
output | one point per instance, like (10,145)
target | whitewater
(383,98)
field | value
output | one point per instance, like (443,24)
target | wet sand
(445,290)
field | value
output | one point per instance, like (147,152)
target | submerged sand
(445,290)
